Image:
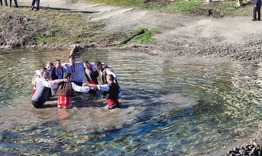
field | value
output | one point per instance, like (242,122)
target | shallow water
(183,106)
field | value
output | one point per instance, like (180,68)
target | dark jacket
(65,89)
(54,76)
(113,91)
(257,2)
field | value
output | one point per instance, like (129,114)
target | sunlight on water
(183,106)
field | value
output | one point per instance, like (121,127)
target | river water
(170,106)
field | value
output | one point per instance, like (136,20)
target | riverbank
(176,34)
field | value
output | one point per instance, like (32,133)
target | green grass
(183,5)
(192,7)
(139,36)
(54,28)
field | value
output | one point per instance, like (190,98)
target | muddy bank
(234,38)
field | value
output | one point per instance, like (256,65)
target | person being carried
(112,90)
(66,89)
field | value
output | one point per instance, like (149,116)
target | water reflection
(183,106)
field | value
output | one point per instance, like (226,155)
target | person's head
(72,59)
(42,70)
(110,78)
(67,76)
(87,65)
(98,65)
(45,75)
(57,64)
(49,66)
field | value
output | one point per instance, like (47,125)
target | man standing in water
(112,91)
(76,69)
(42,91)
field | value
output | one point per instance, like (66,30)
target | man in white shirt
(76,69)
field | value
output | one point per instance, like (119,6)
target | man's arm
(77,88)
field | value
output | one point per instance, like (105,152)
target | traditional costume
(64,92)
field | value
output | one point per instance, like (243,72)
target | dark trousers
(1,2)
(16,4)
(37,104)
(256,13)
(37,4)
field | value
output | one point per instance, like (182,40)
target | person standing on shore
(256,10)
(32,7)
(16,4)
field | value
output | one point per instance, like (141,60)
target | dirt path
(237,38)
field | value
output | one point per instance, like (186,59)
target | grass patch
(140,36)
(183,5)
(192,7)
(22,27)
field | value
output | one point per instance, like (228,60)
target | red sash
(111,102)
(63,101)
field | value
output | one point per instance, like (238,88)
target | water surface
(183,106)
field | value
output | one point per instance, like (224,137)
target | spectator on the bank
(32,7)
(16,4)
(256,10)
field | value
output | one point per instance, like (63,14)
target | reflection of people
(76,69)
(112,90)
(66,89)
(33,4)
(256,10)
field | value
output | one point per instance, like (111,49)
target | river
(170,106)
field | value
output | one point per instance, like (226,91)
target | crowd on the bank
(63,80)
(35,4)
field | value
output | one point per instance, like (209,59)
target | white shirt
(55,86)
(77,71)
(80,88)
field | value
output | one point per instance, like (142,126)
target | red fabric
(33,92)
(92,82)
(63,101)
(111,102)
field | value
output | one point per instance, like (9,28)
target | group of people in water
(65,79)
